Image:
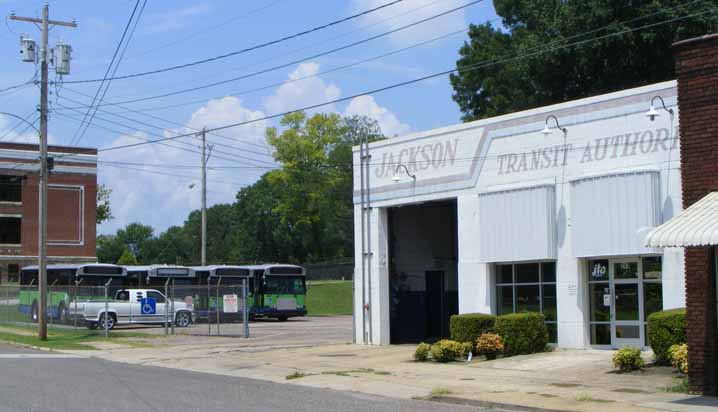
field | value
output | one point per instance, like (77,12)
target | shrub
(679,357)
(665,329)
(466,348)
(522,333)
(469,326)
(628,359)
(446,350)
(489,344)
(421,354)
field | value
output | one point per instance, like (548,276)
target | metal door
(627,303)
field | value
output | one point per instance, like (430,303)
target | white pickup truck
(132,306)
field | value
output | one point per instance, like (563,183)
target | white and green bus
(67,283)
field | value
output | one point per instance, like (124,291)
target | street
(45,381)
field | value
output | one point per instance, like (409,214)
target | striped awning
(695,226)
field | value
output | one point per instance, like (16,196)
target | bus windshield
(284,285)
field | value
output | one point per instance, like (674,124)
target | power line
(19,123)
(292,63)
(476,66)
(245,50)
(107,73)
(208,29)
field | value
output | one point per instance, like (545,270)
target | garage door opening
(423,272)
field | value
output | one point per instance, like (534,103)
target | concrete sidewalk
(571,380)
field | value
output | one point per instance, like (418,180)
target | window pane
(600,295)
(10,188)
(652,267)
(628,331)
(626,301)
(626,270)
(549,302)
(548,272)
(652,298)
(528,299)
(598,269)
(10,230)
(527,273)
(504,274)
(505,300)
(552,332)
(601,334)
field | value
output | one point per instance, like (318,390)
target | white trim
(8,203)
(17,215)
(519,186)
(618,172)
(81,220)
(66,157)
(27,257)
(34,167)
(13,245)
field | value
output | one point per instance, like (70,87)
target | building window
(10,230)
(528,287)
(11,189)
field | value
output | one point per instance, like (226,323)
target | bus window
(284,285)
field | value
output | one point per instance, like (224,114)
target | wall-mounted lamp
(547,130)
(396,177)
(652,113)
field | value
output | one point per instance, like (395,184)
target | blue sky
(177,32)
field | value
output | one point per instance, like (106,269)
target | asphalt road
(40,381)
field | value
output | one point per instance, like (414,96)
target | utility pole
(204,196)
(42,218)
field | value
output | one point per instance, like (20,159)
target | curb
(491,405)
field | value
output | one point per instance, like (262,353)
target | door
(626,309)
(435,305)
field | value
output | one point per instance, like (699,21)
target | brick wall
(697,72)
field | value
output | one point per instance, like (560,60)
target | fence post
(166,304)
(107,309)
(209,314)
(217,303)
(245,312)
(172,306)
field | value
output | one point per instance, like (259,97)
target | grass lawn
(58,338)
(329,297)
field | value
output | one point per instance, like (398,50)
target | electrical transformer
(28,49)
(62,56)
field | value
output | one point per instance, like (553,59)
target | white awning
(695,226)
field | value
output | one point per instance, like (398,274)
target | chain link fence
(169,309)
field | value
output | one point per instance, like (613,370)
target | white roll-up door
(517,225)
(611,215)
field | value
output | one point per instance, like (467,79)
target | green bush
(421,354)
(489,344)
(466,348)
(469,326)
(522,333)
(628,359)
(665,329)
(446,350)
(679,357)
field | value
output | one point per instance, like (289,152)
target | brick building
(71,206)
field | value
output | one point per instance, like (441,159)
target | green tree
(563,73)
(127,258)
(104,213)
(109,248)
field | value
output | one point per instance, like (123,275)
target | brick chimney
(697,72)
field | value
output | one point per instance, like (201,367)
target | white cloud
(409,11)
(23,133)
(161,197)
(302,93)
(367,106)
(174,19)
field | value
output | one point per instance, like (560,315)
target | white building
(495,216)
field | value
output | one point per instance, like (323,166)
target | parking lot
(264,334)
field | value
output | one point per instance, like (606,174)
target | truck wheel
(183,319)
(110,321)
(34,312)
(282,318)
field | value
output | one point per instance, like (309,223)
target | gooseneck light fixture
(547,130)
(652,113)
(397,178)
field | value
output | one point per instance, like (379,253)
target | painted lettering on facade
(420,157)
(611,147)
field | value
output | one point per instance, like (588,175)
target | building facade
(543,210)
(71,206)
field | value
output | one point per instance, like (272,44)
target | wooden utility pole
(45,22)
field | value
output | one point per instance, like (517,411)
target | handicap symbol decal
(148,305)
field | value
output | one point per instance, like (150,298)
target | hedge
(469,326)
(665,329)
(523,333)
